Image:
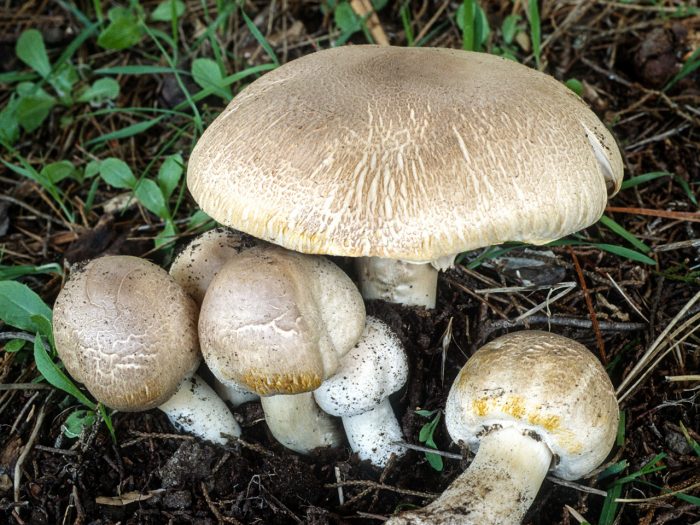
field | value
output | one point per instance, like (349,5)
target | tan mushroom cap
(543,382)
(404,153)
(126,330)
(278,322)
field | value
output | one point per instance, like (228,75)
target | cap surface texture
(126,330)
(404,153)
(542,382)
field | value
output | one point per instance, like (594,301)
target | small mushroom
(526,403)
(277,323)
(359,393)
(199,262)
(126,330)
(405,156)
(193,269)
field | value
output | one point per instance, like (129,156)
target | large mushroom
(277,323)
(404,157)
(126,330)
(526,403)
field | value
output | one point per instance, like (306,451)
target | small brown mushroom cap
(404,153)
(126,330)
(201,260)
(542,382)
(277,322)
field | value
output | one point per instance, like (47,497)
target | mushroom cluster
(400,158)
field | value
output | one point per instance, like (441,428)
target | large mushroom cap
(278,322)
(543,382)
(404,153)
(127,331)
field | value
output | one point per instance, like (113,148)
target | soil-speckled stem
(413,284)
(497,488)
(373,434)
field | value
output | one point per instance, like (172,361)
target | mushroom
(193,269)
(359,393)
(277,323)
(198,263)
(404,156)
(526,403)
(126,330)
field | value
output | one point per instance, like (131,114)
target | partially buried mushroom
(277,323)
(404,157)
(128,332)
(526,403)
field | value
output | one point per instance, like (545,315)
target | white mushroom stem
(297,422)
(396,281)
(373,434)
(498,487)
(196,409)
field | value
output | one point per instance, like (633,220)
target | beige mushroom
(128,332)
(526,403)
(277,323)
(404,154)
(194,268)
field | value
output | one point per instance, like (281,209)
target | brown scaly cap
(404,153)
(277,322)
(127,331)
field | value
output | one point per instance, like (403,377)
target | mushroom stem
(402,282)
(498,487)
(196,409)
(373,434)
(297,422)
(233,393)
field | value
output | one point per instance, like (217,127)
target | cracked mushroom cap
(542,382)
(201,260)
(373,370)
(126,330)
(404,153)
(277,322)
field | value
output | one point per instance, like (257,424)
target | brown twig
(678,215)
(381,486)
(589,305)
(217,514)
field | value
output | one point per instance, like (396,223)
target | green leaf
(129,131)
(693,444)
(435,461)
(533,13)
(163,13)
(30,49)
(19,303)
(139,70)
(207,75)
(117,174)
(9,125)
(14,345)
(510,27)
(58,171)
(170,173)
(123,31)
(149,195)
(167,236)
(43,325)
(101,90)
(575,85)
(75,423)
(476,30)
(607,515)
(622,232)
(613,469)
(346,19)
(63,79)
(426,413)
(55,376)
(92,168)
(260,38)
(33,107)
(624,252)
(641,179)
(197,220)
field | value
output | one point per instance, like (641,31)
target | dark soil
(622,53)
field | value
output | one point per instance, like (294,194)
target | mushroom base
(299,424)
(413,284)
(373,434)
(497,488)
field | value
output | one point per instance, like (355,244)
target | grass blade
(535,30)
(260,38)
(622,232)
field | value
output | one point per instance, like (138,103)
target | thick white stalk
(299,424)
(233,393)
(497,488)
(402,282)
(196,409)
(373,434)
